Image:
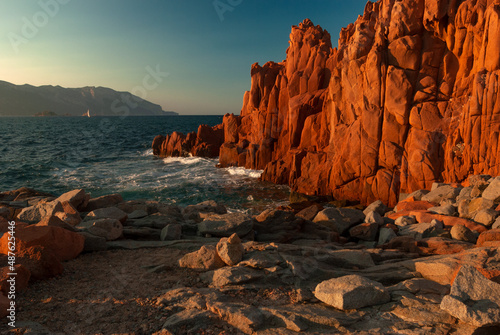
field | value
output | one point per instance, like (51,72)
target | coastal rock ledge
(409,97)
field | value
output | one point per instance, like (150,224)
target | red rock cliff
(409,97)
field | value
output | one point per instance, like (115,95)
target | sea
(106,155)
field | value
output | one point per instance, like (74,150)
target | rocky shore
(430,265)
(409,97)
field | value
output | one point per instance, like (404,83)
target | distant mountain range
(27,100)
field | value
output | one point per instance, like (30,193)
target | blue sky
(111,43)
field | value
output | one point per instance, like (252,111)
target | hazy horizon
(189,57)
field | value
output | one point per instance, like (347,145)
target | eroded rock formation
(409,97)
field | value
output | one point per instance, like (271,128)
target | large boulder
(473,298)
(341,218)
(206,258)
(63,243)
(104,201)
(224,225)
(107,213)
(69,214)
(351,292)
(110,229)
(440,193)
(230,249)
(492,192)
(77,198)
(37,212)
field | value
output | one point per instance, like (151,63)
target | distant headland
(27,100)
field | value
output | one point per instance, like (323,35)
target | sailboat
(87,114)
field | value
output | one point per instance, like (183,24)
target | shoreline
(290,260)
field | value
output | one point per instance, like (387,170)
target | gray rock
(418,194)
(386,235)
(246,318)
(110,229)
(107,213)
(365,231)
(403,221)
(137,214)
(171,232)
(351,292)
(230,250)
(226,224)
(105,201)
(486,217)
(188,321)
(275,217)
(449,210)
(77,198)
(376,206)
(461,233)
(492,192)
(473,299)
(93,243)
(440,193)
(374,217)
(468,209)
(204,259)
(37,212)
(156,221)
(205,207)
(422,230)
(341,218)
(465,194)
(310,212)
(235,275)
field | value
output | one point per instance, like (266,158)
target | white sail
(88,112)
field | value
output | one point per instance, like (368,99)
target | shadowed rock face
(409,97)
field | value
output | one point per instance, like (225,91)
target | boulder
(69,214)
(462,233)
(386,235)
(440,193)
(235,275)
(64,244)
(403,221)
(489,238)
(365,231)
(224,225)
(171,232)
(77,198)
(444,210)
(138,214)
(486,217)
(422,230)
(492,192)
(37,212)
(374,217)
(206,258)
(341,218)
(110,229)
(230,249)
(405,206)
(107,213)
(376,206)
(473,299)
(105,201)
(55,221)
(351,292)
(310,212)
(156,221)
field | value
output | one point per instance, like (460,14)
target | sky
(189,56)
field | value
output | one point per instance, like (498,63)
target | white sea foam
(148,152)
(183,160)
(241,171)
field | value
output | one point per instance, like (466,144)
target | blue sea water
(107,155)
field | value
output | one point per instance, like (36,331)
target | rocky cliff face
(409,97)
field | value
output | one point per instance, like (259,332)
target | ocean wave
(183,160)
(241,171)
(146,153)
